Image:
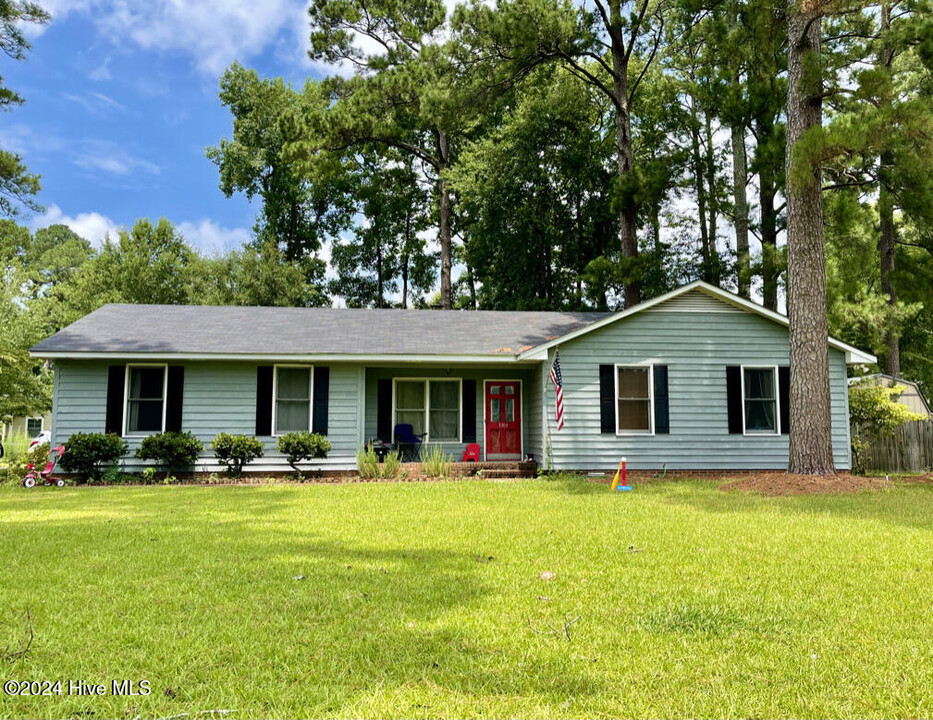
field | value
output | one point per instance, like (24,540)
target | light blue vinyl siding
(531,408)
(218,397)
(696,341)
(696,347)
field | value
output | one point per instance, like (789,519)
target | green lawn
(427,600)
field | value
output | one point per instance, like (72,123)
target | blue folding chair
(409,444)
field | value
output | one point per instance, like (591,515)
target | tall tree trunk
(628,216)
(700,185)
(711,195)
(444,192)
(380,275)
(892,355)
(769,273)
(739,183)
(406,259)
(811,447)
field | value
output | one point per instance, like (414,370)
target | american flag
(558,388)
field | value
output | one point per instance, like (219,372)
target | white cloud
(27,139)
(96,103)
(109,157)
(214,32)
(102,73)
(210,236)
(91,226)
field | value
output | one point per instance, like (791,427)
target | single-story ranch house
(695,379)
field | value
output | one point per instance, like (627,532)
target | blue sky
(121,100)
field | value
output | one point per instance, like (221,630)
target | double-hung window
(759,400)
(33,427)
(431,407)
(292,399)
(634,399)
(145,399)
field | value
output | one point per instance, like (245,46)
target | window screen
(292,400)
(633,394)
(760,400)
(145,401)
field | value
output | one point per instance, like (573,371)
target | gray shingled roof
(170,329)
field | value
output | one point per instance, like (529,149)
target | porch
(453,407)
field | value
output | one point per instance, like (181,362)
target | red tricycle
(45,476)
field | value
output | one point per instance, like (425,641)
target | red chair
(471,454)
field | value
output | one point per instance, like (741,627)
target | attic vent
(694,301)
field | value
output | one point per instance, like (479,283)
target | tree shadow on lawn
(278,619)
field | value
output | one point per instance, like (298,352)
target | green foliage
(89,454)
(535,196)
(299,211)
(435,463)
(236,451)
(171,450)
(875,408)
(386,254)
(17,456)
(300,447)
(368,466)
(18,187)
(367,462)
(392,465)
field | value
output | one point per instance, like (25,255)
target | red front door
(503,420)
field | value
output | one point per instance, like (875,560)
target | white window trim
(427,407)
(126,398)
(275,395)
(777,402)
(640,366)
(41,424)
(521,425)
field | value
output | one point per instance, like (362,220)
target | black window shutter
(734,398)
(607,399)
(784,397)
(384,410)
(116,386)
(174,398)
(468,411)
(662,418)
(321,389)
(264,400)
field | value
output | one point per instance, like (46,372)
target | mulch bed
(777,484)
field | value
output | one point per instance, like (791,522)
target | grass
(427,600)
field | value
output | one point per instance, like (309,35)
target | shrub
(18,455)
(235,451)
(874,410)
(369,467)
(436,463)
(367,462)
(391,465)
(302,446)
(88,454)
(171,450)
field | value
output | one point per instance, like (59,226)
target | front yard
(452,599)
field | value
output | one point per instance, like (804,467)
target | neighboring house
(31,426)
(912,397)
(695,379)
